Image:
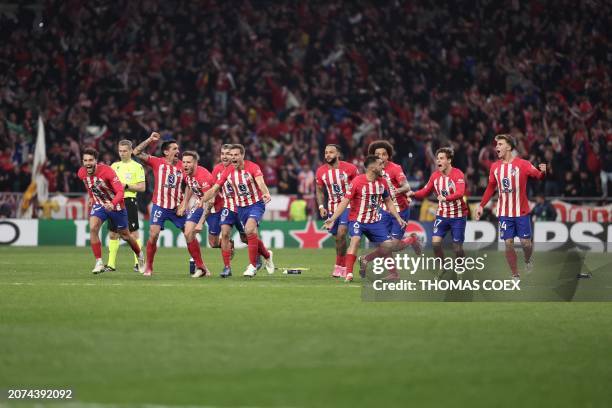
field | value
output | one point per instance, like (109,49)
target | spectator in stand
(543,210)
(285,79)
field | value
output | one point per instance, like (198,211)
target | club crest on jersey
(342,177)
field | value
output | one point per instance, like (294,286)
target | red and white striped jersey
(395,177)
(168,179)
(511,182)
(103,186)
(452,187)
(243,186)
(225,196)
(200,182)
(366,197)
(336,182)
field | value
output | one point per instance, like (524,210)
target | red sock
(253,245)
(379,252)
(227,256)
(194,250)
(350,261)
(134,245)
(151,248)
(340,260)
(511,257)
(262,250)
(97,249)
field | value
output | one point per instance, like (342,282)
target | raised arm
(139,150)
(425,191)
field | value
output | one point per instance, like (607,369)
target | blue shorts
(160,215)
(255,211)
(119,218)
(194,215)
(342,220)
(456,225)
(376,232)
(230,218)
(214,223)
(510,227)
(396,230)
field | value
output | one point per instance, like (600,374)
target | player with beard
(366,194)
(335,176)
(198,180)
(509,175)
(251,196)
(167,195)
(228,218)
(399,188)
(106,197)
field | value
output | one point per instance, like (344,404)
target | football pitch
(122,340)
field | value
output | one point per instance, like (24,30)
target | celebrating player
(250,194)
(509,174)
(398,187)
(448,184)
(199,180)
(227,217)
(106,195)
(132,176)
(167,195)
(335,175)
(367,192)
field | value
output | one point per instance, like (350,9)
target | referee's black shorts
(132,212)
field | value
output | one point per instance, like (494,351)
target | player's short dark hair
(91,152)
(369,160)
(227,146)
(239,147)
(508,138)
(192,153)
(381,144)
(166,145)
(334,145)
(447,151)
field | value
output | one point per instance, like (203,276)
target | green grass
(306,340)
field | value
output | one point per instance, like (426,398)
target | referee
(132,176)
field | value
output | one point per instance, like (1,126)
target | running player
(199,180)
(399,188)
(167,195)
(448,183)
(106,195)
(510,174)
(367,192)
(335,175)
(227,217)
(250,194)
(132,176)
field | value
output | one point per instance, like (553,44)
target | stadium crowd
(287,78)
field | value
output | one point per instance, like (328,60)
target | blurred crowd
(287,78)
